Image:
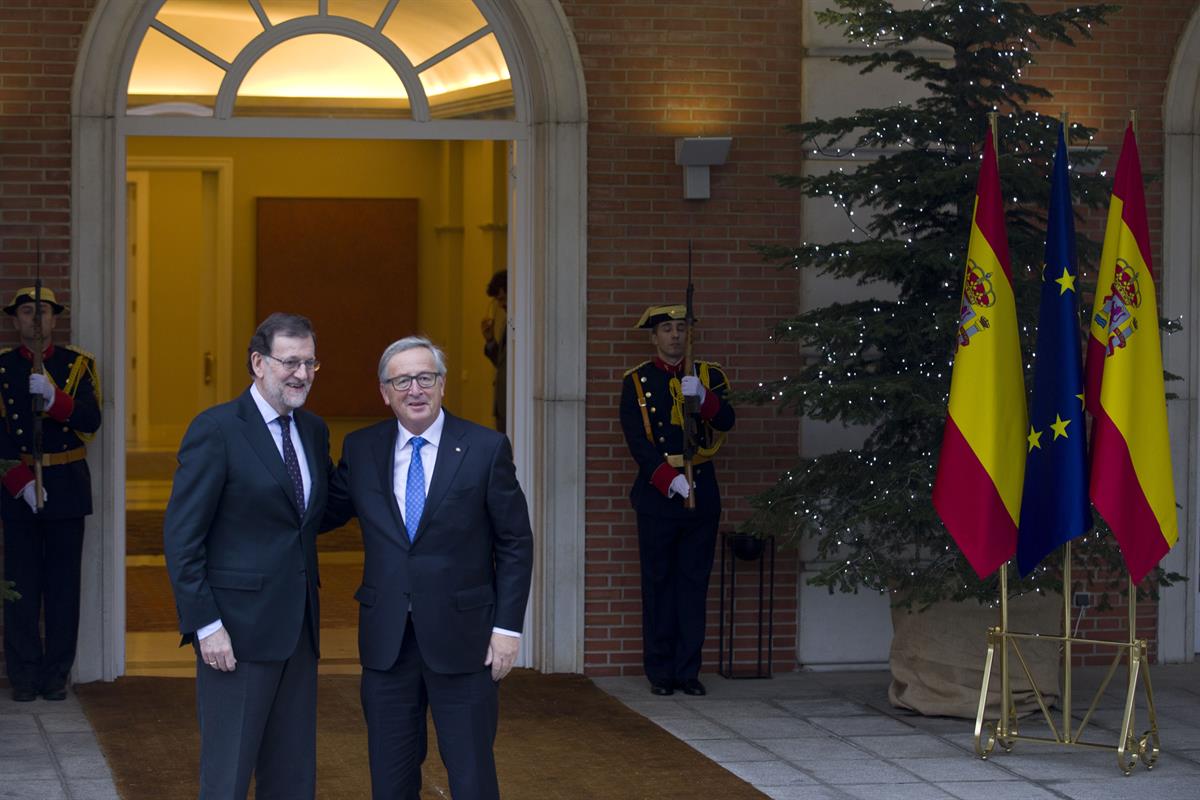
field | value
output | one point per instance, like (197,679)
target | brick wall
(656,71)
(39,44)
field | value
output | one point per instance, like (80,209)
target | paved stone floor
(798,736)
(833,736)
(48,752)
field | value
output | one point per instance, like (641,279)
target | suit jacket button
(19,432)
(649,394)
(16,416)
(653,409)
(662,439)
(643,379)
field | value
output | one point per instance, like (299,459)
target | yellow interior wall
(461,238)
(176,263)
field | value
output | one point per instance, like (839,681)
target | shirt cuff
(506,632)
(662,478)
(208,630)
(16,478)
(710,406)
(61,406)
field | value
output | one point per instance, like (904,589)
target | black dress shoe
(693,687)
(661,689)
(54,695)
(23,695)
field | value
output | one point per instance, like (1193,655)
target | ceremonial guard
(677,519)
(43,508)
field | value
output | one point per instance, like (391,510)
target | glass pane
(167,71)
(282,10)
(474,82)
(223,27)
(322,75)
(424,28)
(365,11)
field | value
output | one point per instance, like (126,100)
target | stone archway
(1177,636)
(549,230)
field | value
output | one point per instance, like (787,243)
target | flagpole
(1066,592)
(1005,688)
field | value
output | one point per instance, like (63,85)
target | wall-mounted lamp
(696,154)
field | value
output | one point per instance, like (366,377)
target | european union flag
(1054,504)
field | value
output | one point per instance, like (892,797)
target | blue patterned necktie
(414,489)
(292,463)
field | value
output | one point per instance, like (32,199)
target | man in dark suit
(446,570)
(43,547)
(240,541)
(675,543)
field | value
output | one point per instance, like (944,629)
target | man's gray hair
(411,343)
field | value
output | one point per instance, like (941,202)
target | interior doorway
(537,103)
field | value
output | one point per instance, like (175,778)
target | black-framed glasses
(293,364)
(401,383)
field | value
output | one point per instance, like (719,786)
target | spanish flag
(1131,484)
(977,492)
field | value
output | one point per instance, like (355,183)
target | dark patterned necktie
(292,463)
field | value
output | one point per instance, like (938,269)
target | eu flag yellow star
(1034,438)
(1065,283)
(1059,426)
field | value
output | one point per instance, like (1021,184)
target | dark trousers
(260,719)
(677,559)
(465,712)
(42,557)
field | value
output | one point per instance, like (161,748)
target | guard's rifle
(39,403)
(691,403)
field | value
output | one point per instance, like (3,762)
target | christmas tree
(907,189)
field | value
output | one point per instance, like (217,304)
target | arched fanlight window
(399,59)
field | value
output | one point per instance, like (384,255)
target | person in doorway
(496,348)
(675,543)
(240,542)
(43,531)
(448,554)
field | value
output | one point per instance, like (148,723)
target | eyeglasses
(425,380)
(290,365)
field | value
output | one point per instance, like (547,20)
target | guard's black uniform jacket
(74,414)
(43,551)
(658,451)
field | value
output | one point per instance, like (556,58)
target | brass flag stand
(1129,747)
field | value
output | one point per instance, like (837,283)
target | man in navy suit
(446,570)
(240,541)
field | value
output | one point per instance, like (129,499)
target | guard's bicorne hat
(25,295)
(656,314)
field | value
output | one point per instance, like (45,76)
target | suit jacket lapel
(263,445)
(451,451)
(385,467)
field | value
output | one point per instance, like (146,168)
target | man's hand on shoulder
(216,650)
(501,654)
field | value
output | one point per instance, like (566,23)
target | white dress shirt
(271,418)
(403,457)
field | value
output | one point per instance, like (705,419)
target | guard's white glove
(692,387)
(40,384)
(679,486)
(29,495)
